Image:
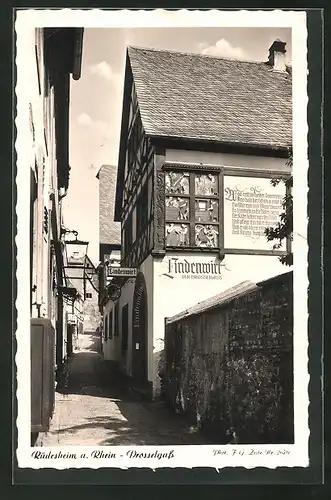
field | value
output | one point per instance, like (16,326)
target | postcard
(162,278)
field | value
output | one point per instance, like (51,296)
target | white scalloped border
(185,456)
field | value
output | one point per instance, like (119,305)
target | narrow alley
(94,409)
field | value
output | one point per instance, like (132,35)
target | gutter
(219,143)
(78,51)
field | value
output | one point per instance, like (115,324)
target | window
(110,325)
(106,327)
(116,312)
(192,209)
(88,295)
(125,327)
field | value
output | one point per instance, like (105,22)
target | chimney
(277,55)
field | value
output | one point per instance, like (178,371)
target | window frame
(116,319)
(105,326)
(110,324)
(125,328)
(192,196)
(222,171)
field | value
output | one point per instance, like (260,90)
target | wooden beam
(159,203)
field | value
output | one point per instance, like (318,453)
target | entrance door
(139,331)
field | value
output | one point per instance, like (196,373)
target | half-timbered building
(201,139)
(109,254)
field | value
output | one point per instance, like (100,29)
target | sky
(96,100)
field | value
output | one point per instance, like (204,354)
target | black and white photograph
(161,239)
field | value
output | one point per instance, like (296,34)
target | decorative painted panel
(177,183)
(206,184)
(177,208)
(177,234)
(206,210)
(206,235)
(159,206)
(192,198)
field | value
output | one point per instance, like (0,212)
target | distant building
(110,255)
(87,287)
(109,231)
(74,320)
(91,314)
(201,138)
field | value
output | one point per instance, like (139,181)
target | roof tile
(109,231)
(218,300)
(203,97)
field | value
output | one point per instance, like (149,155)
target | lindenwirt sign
(195,269)
(128,272)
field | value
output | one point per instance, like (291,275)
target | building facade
(53,56)
(201,139)
(91,313)
(74,321)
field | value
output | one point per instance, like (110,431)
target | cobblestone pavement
(95,410)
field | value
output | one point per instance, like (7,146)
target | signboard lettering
(194,269)
(139,300)
(138,297)
(250,206)
(122,271)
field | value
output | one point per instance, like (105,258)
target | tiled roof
(217,300)
(202,97)
(109,231)
(280,278)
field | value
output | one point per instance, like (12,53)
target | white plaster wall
(29,96)
(32,101)
(90,309)
(226,160)
(112,348)
(147,269)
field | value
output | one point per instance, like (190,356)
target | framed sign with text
(251,204)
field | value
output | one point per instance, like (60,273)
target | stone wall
(230,368)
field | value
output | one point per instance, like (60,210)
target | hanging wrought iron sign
(113,291)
